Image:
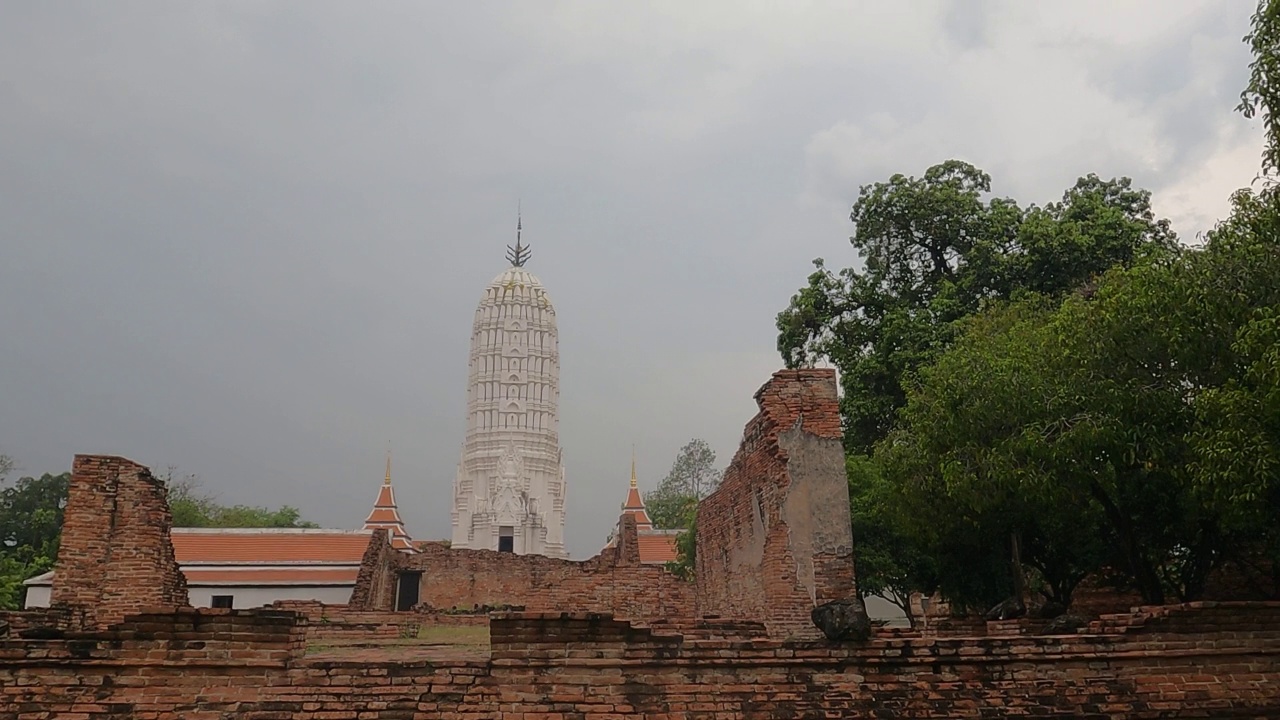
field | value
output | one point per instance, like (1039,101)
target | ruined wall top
(774,540)
(115,556)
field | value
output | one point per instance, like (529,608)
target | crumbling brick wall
(613,581)
(376,582)
(115,556)
(1182,662)
(774,540)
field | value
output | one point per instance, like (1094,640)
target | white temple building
(510,489)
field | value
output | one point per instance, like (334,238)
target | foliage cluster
(692,477)
(674,503)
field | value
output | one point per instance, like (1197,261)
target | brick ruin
(602,638)
(774,539)
(613,581)
(115,554)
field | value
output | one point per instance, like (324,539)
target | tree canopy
(30,525)
(1109,430)
(936,249)
(193,507)
(693,476)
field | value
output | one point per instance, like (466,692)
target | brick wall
(1204,660)
(115,555)
(375,587)
(19,620)
(613,581)
(774,540)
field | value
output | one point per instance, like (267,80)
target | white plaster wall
(252,597)
(37,596)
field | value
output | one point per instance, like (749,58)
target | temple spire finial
(387,480)
(519,254)
(633,465)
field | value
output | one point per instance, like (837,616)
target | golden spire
(633,465)
(387,481)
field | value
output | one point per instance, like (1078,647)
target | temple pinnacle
(633,466)
(519,254)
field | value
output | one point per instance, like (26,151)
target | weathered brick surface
(19,620)
(774,540)
(115,555)
(1205,660)
(375,587)
(613,581)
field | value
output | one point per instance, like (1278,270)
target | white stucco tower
(510,490)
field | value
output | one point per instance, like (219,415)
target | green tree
(935,249)
(889,562)
(686,548)
(30,525)
(966,468)
(1262,95)
(1137,413)
(692,477)
(192,507)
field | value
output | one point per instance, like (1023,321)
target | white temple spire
(510,490)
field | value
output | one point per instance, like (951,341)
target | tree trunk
(1143,574)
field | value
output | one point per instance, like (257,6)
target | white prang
(511,476)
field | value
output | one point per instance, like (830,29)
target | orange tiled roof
(382,515)
(656,548)
(239,548)
(385,515)
(634,506)
(299,576)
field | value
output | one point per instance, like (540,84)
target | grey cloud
(1189,82)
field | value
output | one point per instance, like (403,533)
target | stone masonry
(115,555)
(774,540)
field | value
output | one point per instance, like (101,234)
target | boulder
(843,619)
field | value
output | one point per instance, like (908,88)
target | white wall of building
(37,596)
(241,596)
(252,597)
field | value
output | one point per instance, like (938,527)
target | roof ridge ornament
(519,254)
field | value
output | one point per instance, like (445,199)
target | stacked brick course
(1178,662)
(115,556)
(774,540)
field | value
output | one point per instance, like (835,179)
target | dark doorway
(222,601)
(506,539)
(407,592)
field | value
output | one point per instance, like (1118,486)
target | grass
(454,634)
(462,637)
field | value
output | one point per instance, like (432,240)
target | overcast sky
(247,239)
